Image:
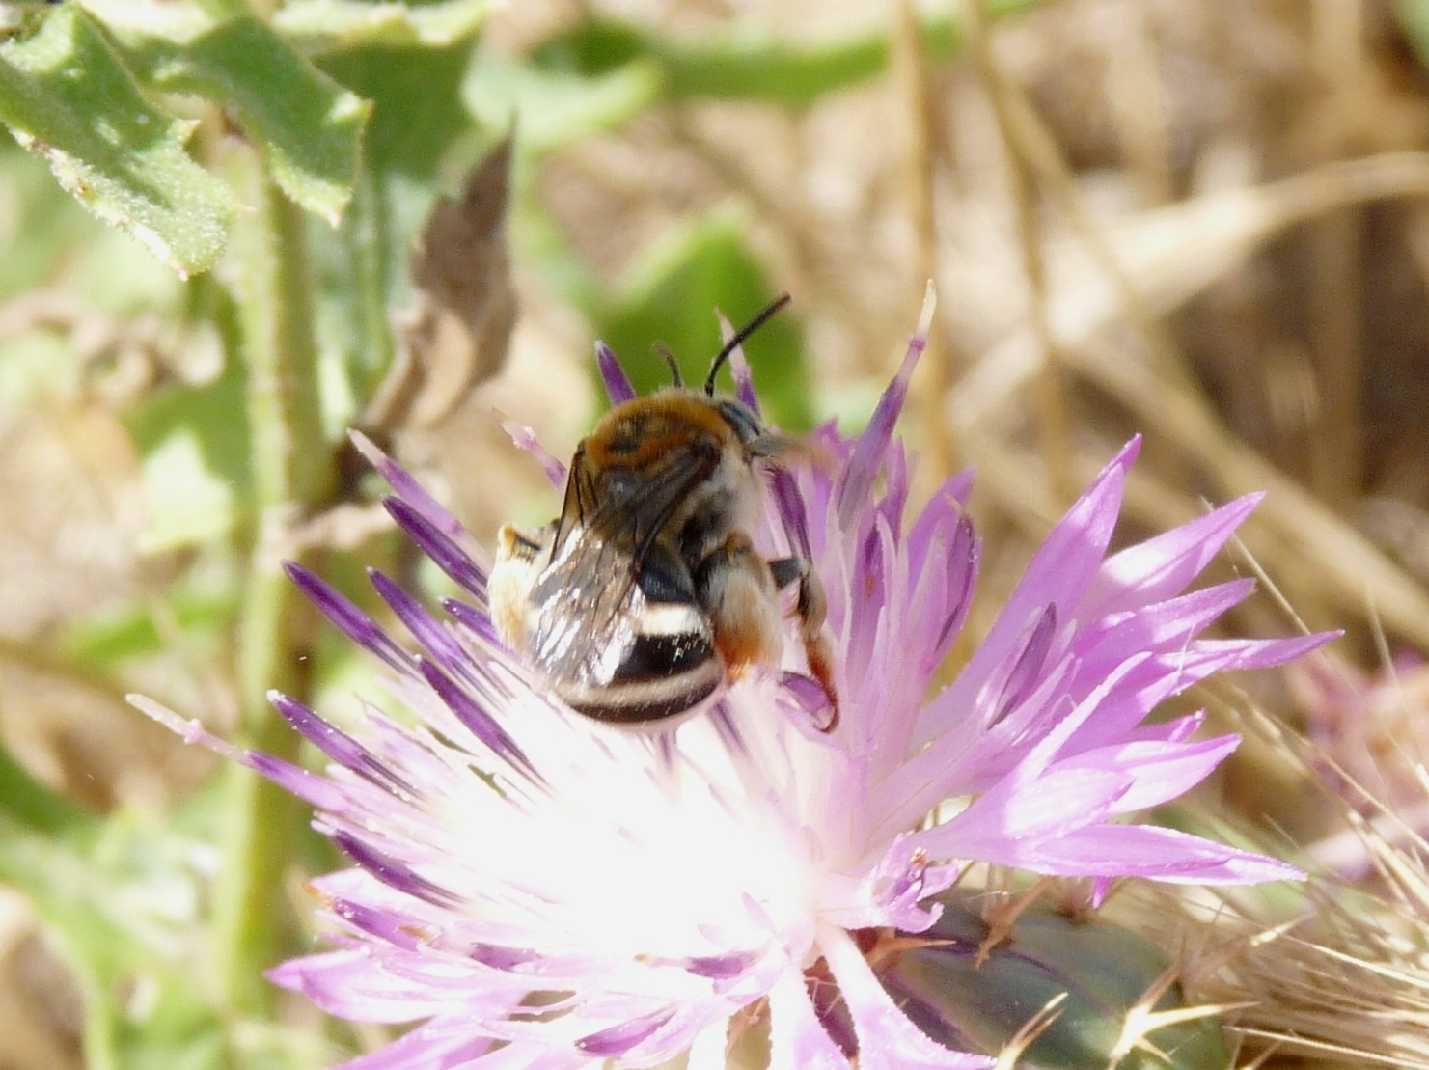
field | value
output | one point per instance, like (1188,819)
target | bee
(646,596)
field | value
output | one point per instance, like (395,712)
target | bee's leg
(510,582)
(737,592)
(810,608)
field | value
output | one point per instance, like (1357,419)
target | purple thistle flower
(654,895)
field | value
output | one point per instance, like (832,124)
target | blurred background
(1205,222)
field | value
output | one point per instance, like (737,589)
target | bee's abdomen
(669,666)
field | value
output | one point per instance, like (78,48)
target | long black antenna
(740,335)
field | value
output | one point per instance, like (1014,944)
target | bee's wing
(587,600)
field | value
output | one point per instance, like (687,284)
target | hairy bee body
(646,594)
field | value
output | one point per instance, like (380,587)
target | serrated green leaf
(551,109)
(671,296)
(33,254)
(308,127)
(325,24)
(69,98)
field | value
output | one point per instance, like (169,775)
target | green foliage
(417,123)
(746,66)
(131,630)
(31,805)
(123,896)
(551,109)
(323,24)
(197,475)
(670,296)
(68,97)
(1414,15)
(309,128)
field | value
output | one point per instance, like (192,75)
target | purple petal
(353,984)
(805,697)
(1159,626)
(618,1039)
(887,1039)
(407,488)
(351,621)
(425,628)
(961,566)
(393,873)
(1157,853)
(948,501)
(1058,575)
(1174,731)
(901,881)
(451,558)
(1160,771)
(1022,680)
(796,1039)
(312,789)
(1164,566)
(856,486)
(336,743)
(739,369)
(297,781)
(502,958)
(792,511)
(393,928)
(1165,675)
(477,720)
(720,967)
(523,436)
(617,386)
(1005,823)
(895,497)
(440,1044)
(474,621)
(728,731)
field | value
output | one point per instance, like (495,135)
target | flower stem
(292,468)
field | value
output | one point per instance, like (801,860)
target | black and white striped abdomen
(669,665)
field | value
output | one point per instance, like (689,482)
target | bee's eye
(745,423)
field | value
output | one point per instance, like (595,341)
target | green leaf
(196,474)
(308,127)
(671,296)
(417,125)
(325,24)
(30,803)
(122,898)
(744,64)
(68,97)
(551,109)
(1414,15)
(129,631)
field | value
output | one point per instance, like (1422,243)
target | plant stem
(292,468)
